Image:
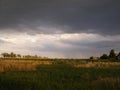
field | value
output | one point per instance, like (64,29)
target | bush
(104,56)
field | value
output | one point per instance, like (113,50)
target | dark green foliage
(61,77)
(112,54)
(91,57)
(118,56)
(104,56)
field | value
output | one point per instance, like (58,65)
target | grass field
(59,75)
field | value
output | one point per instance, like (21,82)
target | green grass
(62,77)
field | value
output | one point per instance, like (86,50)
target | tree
(112,54)
(118,56)
(91,57)
(12,55)
(27,56)
(18,55)
(104,56)
(5,55)
(35,56)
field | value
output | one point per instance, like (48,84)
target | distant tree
(12,55)
(35,56)
(91,57)
(5,55)
(112,54)
(18,55)
(104,56)
(118,56)
(27,56)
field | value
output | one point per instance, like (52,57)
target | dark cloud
(89,16)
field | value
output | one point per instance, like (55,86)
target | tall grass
(21,65)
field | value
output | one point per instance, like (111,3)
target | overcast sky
(60,28)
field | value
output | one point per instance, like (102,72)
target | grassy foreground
(59,76)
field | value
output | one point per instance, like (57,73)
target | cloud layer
(60,45)
(60,16)
(59,28)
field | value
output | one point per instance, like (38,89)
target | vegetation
(19,56)
(64,76)
(21,65)
(118,56)
(104,56)
(28,72)
(112,56)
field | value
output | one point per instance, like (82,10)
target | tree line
(14,55)
(111,55)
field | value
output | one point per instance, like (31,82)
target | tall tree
(112,54)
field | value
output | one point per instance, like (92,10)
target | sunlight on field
(30,65)
(21,65)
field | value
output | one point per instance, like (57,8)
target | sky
(60,28)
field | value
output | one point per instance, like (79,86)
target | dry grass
(30,65)
(21,65)
(98,65)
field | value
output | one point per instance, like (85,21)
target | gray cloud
(69,16)
(1,41)
(99,18)
(79,49)
(60,45)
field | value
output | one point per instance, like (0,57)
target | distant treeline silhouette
(111,55)
(14,55)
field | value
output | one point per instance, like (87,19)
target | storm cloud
(60,16)
(60,28)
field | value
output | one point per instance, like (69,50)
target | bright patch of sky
(57,45)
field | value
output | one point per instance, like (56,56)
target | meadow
(59,74)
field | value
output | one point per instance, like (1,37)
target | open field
(59,75)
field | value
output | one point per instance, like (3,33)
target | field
(59,75)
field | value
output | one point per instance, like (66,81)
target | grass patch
(61,77)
